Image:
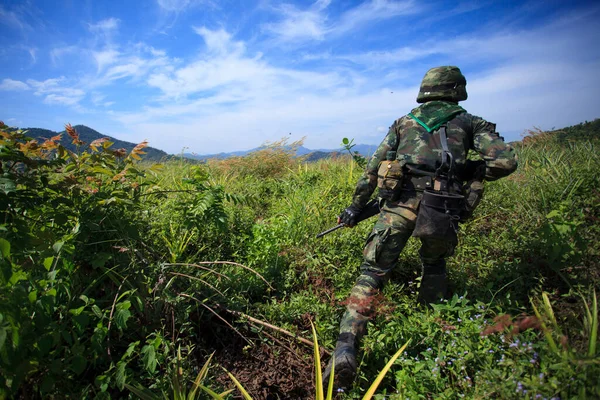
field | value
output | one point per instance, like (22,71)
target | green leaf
(130,349)
(57,246)
(18,276)
(2,336)
(553,214)
(96,310)
(78,364)
(48,263)
(47,384)
(107,201)
(121,375)
(157,342)
(77,311)
(7,185)
(100,259)
(103,171)
(122,314)
(384,371)
(142,393)
(44,344)
(5,248)
(67,337)
(240,387)
(16,338)
(32,296)
(211,393)
(149,358)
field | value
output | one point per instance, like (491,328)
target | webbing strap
(445,151)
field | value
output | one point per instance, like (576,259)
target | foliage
(76,280)
(115,273)
(356,156)
(88,135)
(273,160)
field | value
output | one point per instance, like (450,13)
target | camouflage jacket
(416,140)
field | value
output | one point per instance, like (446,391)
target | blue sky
(229,75)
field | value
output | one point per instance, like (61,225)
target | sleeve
(368,182)
(499,157)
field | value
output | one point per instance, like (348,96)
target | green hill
(88,135)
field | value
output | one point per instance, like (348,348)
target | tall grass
(534,236)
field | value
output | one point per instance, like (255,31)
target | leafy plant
(356,156)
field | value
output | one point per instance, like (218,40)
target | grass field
(118,273)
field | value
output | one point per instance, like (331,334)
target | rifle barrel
(330,230)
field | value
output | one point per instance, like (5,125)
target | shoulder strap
(447,159)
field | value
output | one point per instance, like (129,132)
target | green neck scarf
(434,114)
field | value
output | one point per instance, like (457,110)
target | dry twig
(238,265)
(217,315)
(276,328)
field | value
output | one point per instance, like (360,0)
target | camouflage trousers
(383,247)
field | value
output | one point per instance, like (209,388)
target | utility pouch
(473,195)
(390,173)
(438,215)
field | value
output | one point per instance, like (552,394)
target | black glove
(349,216)
(474,170)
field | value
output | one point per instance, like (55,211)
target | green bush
(116,271)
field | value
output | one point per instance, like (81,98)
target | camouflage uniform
(416,142)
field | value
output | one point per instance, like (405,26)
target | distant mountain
(585,130)
(365,150)
(319,155)
(88,135)
(301,151)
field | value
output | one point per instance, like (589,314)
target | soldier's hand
(475,170)
(348,216)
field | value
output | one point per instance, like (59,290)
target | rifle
(372,208)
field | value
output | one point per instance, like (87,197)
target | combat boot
(344,358)
(434,283)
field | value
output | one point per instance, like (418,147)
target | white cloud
(177,6)
(219,41)
(32,53)
(314,23)
(105,57)
(519,97)
(174,5)
(134,67)
(228,93)
(54,91)
(374,10)
(13,20)
(298,24)
(132,62)
(10,84)
(58,53)
(229,96)
(105,26)
(42,87)
(232,70)
(105,30)
(68,100)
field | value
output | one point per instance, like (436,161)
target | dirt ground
(269,365)
(269,371)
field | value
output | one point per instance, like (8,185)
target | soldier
(426,185)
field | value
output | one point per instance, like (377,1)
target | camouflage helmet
(443,83)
